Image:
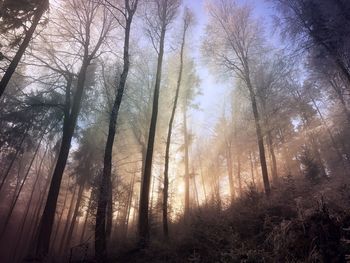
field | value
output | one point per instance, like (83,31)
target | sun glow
(181,188)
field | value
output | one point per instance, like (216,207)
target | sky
(215,91)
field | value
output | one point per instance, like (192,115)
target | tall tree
(80,16)
(127,11)
(187,20)
(164,12)
(240,43)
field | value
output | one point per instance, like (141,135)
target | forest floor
(300,222)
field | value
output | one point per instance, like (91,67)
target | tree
(240,43)
(128,12)
(270,78)
(88,13)
(164,12)
(187,21)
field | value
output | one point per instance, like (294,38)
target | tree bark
(85,221)
(105,191)
(69,124)
(272,154)
(203,181)
(260,139)
(144,198)
(195,188)
(60,218)
(8,217)
(252,168)
(230,171)
(29,203)
(238,174)
(74,217)
(187,174)
(168,141)
(13,160)
(131,191)
(68,220)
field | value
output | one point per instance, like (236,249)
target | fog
(174,131)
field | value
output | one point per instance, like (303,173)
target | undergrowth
(300,222)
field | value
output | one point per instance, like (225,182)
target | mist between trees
(104,157)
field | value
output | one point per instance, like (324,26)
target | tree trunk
(60,219)
(144,198)
(74,217)
(168,141)
(334,144)
(21,187)
(252,168)
(230,171)
(29,203)
(131,191)
(68,220)
(272,154)
(33,232)
(70,121)
(238,174)
(105,191)
(13,160)
(22,48)
(286,153)
(260,139)
(85,221)
(187,174)
(109,213)
(195,189)
(203,181)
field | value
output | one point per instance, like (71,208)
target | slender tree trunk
(334,144)
(252,167)
(128,207)
(85,221)
(103,228)
(109,213)
(187,174)
(24,219)
(134,216)
(230,171)
(168,141)
(13,160)
(22,48)
(311,136)
(74,217)
(67,223)
(203,181)
(70,120)
(21,187)
(239,177)
(272,154)
(144,198)
(256,170)
(60,218)
(195,188)
(33,232)
(260,139)
(286,153)
(152,197)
